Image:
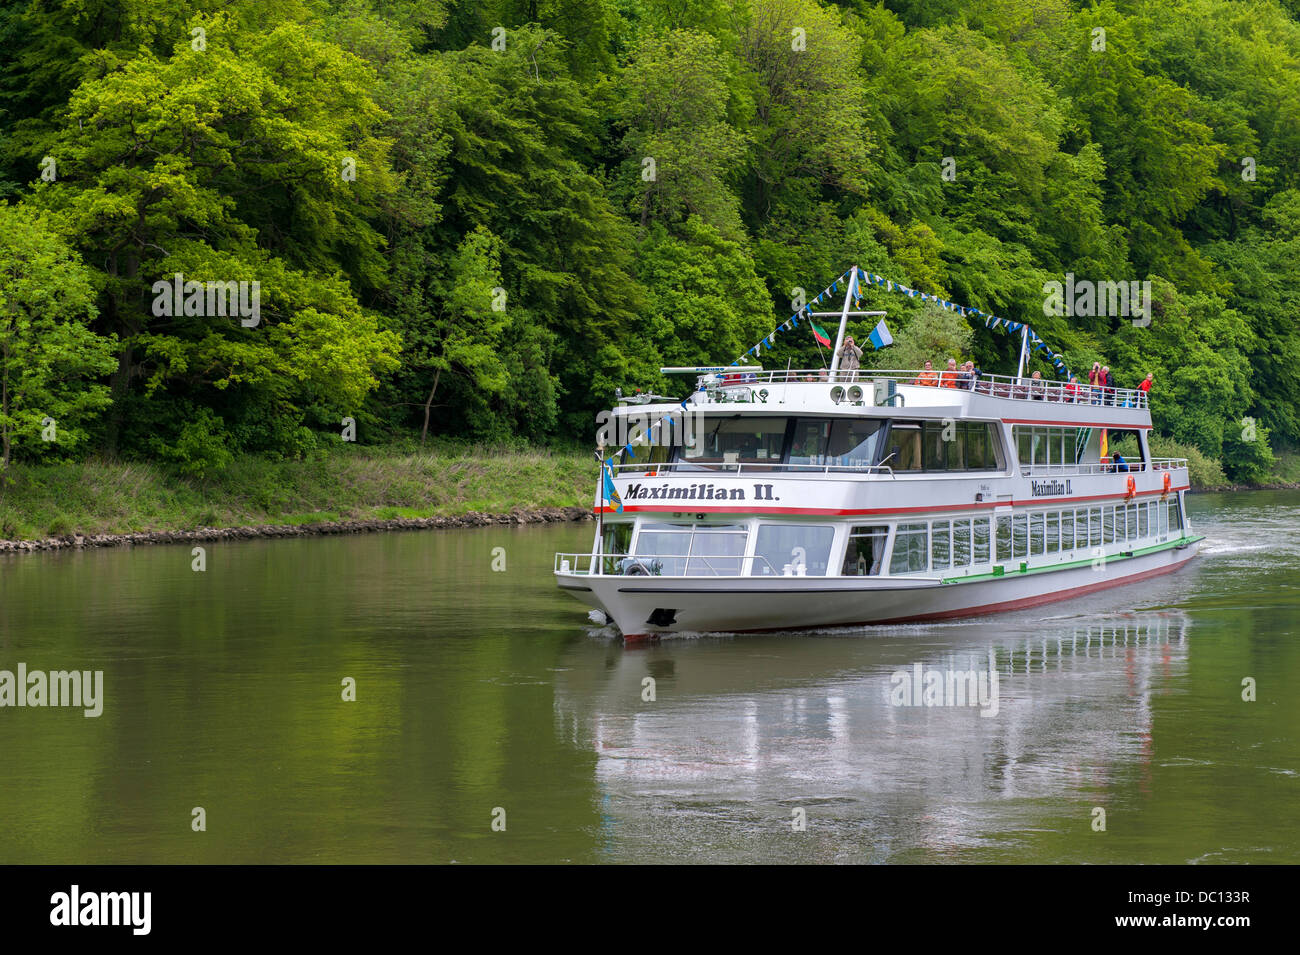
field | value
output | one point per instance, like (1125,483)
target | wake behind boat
(797,499)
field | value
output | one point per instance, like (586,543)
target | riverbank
(350,490)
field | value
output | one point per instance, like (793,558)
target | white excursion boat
(791,500)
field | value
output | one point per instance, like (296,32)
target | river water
(493,723)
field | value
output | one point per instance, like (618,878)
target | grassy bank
(350,483)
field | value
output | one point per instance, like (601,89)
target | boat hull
(644,607)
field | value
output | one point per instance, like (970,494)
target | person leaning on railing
(927,376)
(948,379)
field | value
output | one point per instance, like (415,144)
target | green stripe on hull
(1140,552)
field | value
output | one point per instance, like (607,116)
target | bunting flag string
(990,321)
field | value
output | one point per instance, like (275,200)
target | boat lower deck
(645,606)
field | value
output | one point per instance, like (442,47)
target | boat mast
(844,320)
(1024,344)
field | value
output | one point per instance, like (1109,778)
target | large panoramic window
(743,439)
(793,545)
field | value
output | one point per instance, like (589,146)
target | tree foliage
(480,218)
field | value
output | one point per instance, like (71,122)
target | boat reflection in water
(916,747)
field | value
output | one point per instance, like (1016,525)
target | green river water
(486,694)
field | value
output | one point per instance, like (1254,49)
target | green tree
(49,357)
(252,159)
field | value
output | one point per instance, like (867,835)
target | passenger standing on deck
(1107,385)
(1094,383)
(1072,389)
(850,359)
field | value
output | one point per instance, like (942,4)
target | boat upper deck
(902,394)
(935,422)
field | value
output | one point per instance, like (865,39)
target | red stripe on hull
(980,611)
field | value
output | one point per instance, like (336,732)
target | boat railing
(659,565)
(997,386)
(1105,466)
(679,468)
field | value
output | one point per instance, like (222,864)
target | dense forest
(476,219)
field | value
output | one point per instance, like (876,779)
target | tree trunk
(424,432)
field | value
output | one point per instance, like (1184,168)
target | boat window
(1019,536)
(1040,446)
(792,545)
(943,445)
(1004,538)
(809,441)
(1143,516)
(1094,527)
(937,437)
(961,553)
(980,548)
(1175,517)
(668,542)
(904,447)
(855,442)
(940,545)
(865,552)
(978,452)
(1053,531)
(614,541)
(1037,533)
(717,550)
(1067,530)
(739,440)
(911,549)
(697,549)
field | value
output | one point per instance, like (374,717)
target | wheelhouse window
(904,447)
(946,445)
(743,439)
(837,442)
(866,551)
(792,545)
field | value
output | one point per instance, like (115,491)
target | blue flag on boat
(880,336)
(611,492)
